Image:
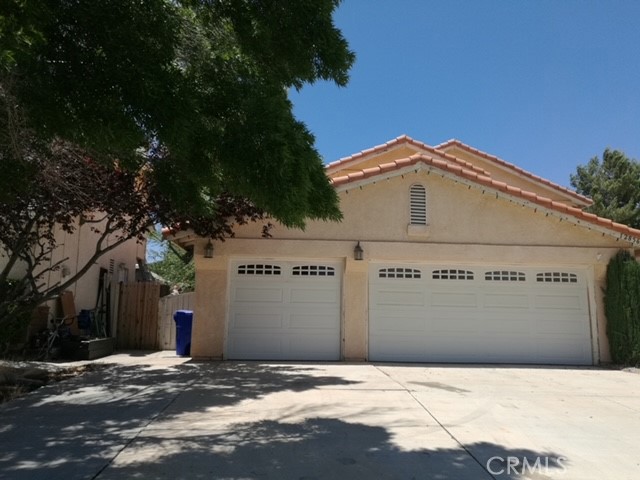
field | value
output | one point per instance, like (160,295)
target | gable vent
(418,201)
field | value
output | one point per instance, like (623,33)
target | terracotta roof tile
(404,161)
(499,161)
(489,182)
(574,211)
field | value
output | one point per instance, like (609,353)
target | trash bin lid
(182,314)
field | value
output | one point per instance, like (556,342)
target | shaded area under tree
(75,429)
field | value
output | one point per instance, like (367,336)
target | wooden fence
(138,316)
(166,308)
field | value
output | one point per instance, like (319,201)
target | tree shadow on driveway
(74,428)
(128,422)
(318,448)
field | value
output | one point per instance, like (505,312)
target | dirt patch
(19,380)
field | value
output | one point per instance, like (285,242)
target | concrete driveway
(156,417)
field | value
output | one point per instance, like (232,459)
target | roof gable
(505,171)
(456,153)
(474,179)
(400,147)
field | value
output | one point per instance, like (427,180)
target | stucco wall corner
(355,303)
(207,338)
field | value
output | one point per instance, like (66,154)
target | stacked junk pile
(71,335)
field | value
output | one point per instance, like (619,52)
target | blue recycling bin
(184,321)
(84,319)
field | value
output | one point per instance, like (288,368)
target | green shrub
(622,307)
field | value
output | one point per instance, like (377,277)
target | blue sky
(544,84)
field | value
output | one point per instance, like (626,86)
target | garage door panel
(453,322)
(480,314)
(254,347)
(489,347)
(253,321)
(314,295)
(567,325)
(453,300)
(322,347)
(555,302)
(507,300)
(258,295)
(393,323)
(397,297)
(283,310)
(318,323)
(398,347)
(501,327)
(564,351)
(489,326)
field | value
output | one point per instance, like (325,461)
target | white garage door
(492,315)
(284,310)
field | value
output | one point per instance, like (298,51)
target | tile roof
(487,181)
(401,140)
(457,143)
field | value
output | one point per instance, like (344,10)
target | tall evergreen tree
(614,186)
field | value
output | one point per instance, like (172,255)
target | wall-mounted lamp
(358,253)
(208,250)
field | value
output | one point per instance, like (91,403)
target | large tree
(614,186)
(189,97)
(201,84)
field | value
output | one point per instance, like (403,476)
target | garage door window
(313,271)
(259,269)
(557,277)
(399,272)
(452,275)
(505,276)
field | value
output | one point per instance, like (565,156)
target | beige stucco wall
(75,249)
(455,213)
(466,227)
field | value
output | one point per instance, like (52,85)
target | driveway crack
(426,409)
(141,429)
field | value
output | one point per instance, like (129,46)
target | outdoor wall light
(208,250)
(358,253)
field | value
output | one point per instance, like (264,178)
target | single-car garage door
(284,310)
(445,313)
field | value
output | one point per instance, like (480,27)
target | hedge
(622,307)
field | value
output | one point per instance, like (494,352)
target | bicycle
(52,338)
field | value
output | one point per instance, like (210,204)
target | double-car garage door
(288,310)
(478,314)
